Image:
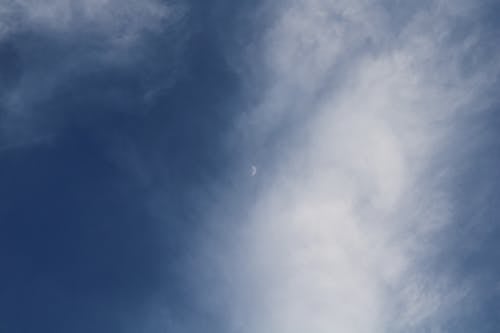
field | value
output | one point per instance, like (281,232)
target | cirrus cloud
(357,106)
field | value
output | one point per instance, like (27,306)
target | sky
(249,166)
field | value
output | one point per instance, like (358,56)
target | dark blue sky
(81,249)
(114,151)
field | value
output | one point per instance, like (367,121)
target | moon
(253,170)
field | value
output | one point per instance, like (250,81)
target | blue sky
(254,166)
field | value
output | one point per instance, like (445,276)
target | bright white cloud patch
(341,235)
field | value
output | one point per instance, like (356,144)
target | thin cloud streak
(341,235)
(119,21)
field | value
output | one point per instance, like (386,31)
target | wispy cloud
(75,40)
(119,21)
(341,234)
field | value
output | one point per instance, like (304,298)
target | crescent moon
(253,172)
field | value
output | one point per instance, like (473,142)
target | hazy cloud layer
(327,208)
(356,106)
(49,48)
(119,21)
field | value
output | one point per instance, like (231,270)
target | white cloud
(341,234)
(119,21)
(86,36)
